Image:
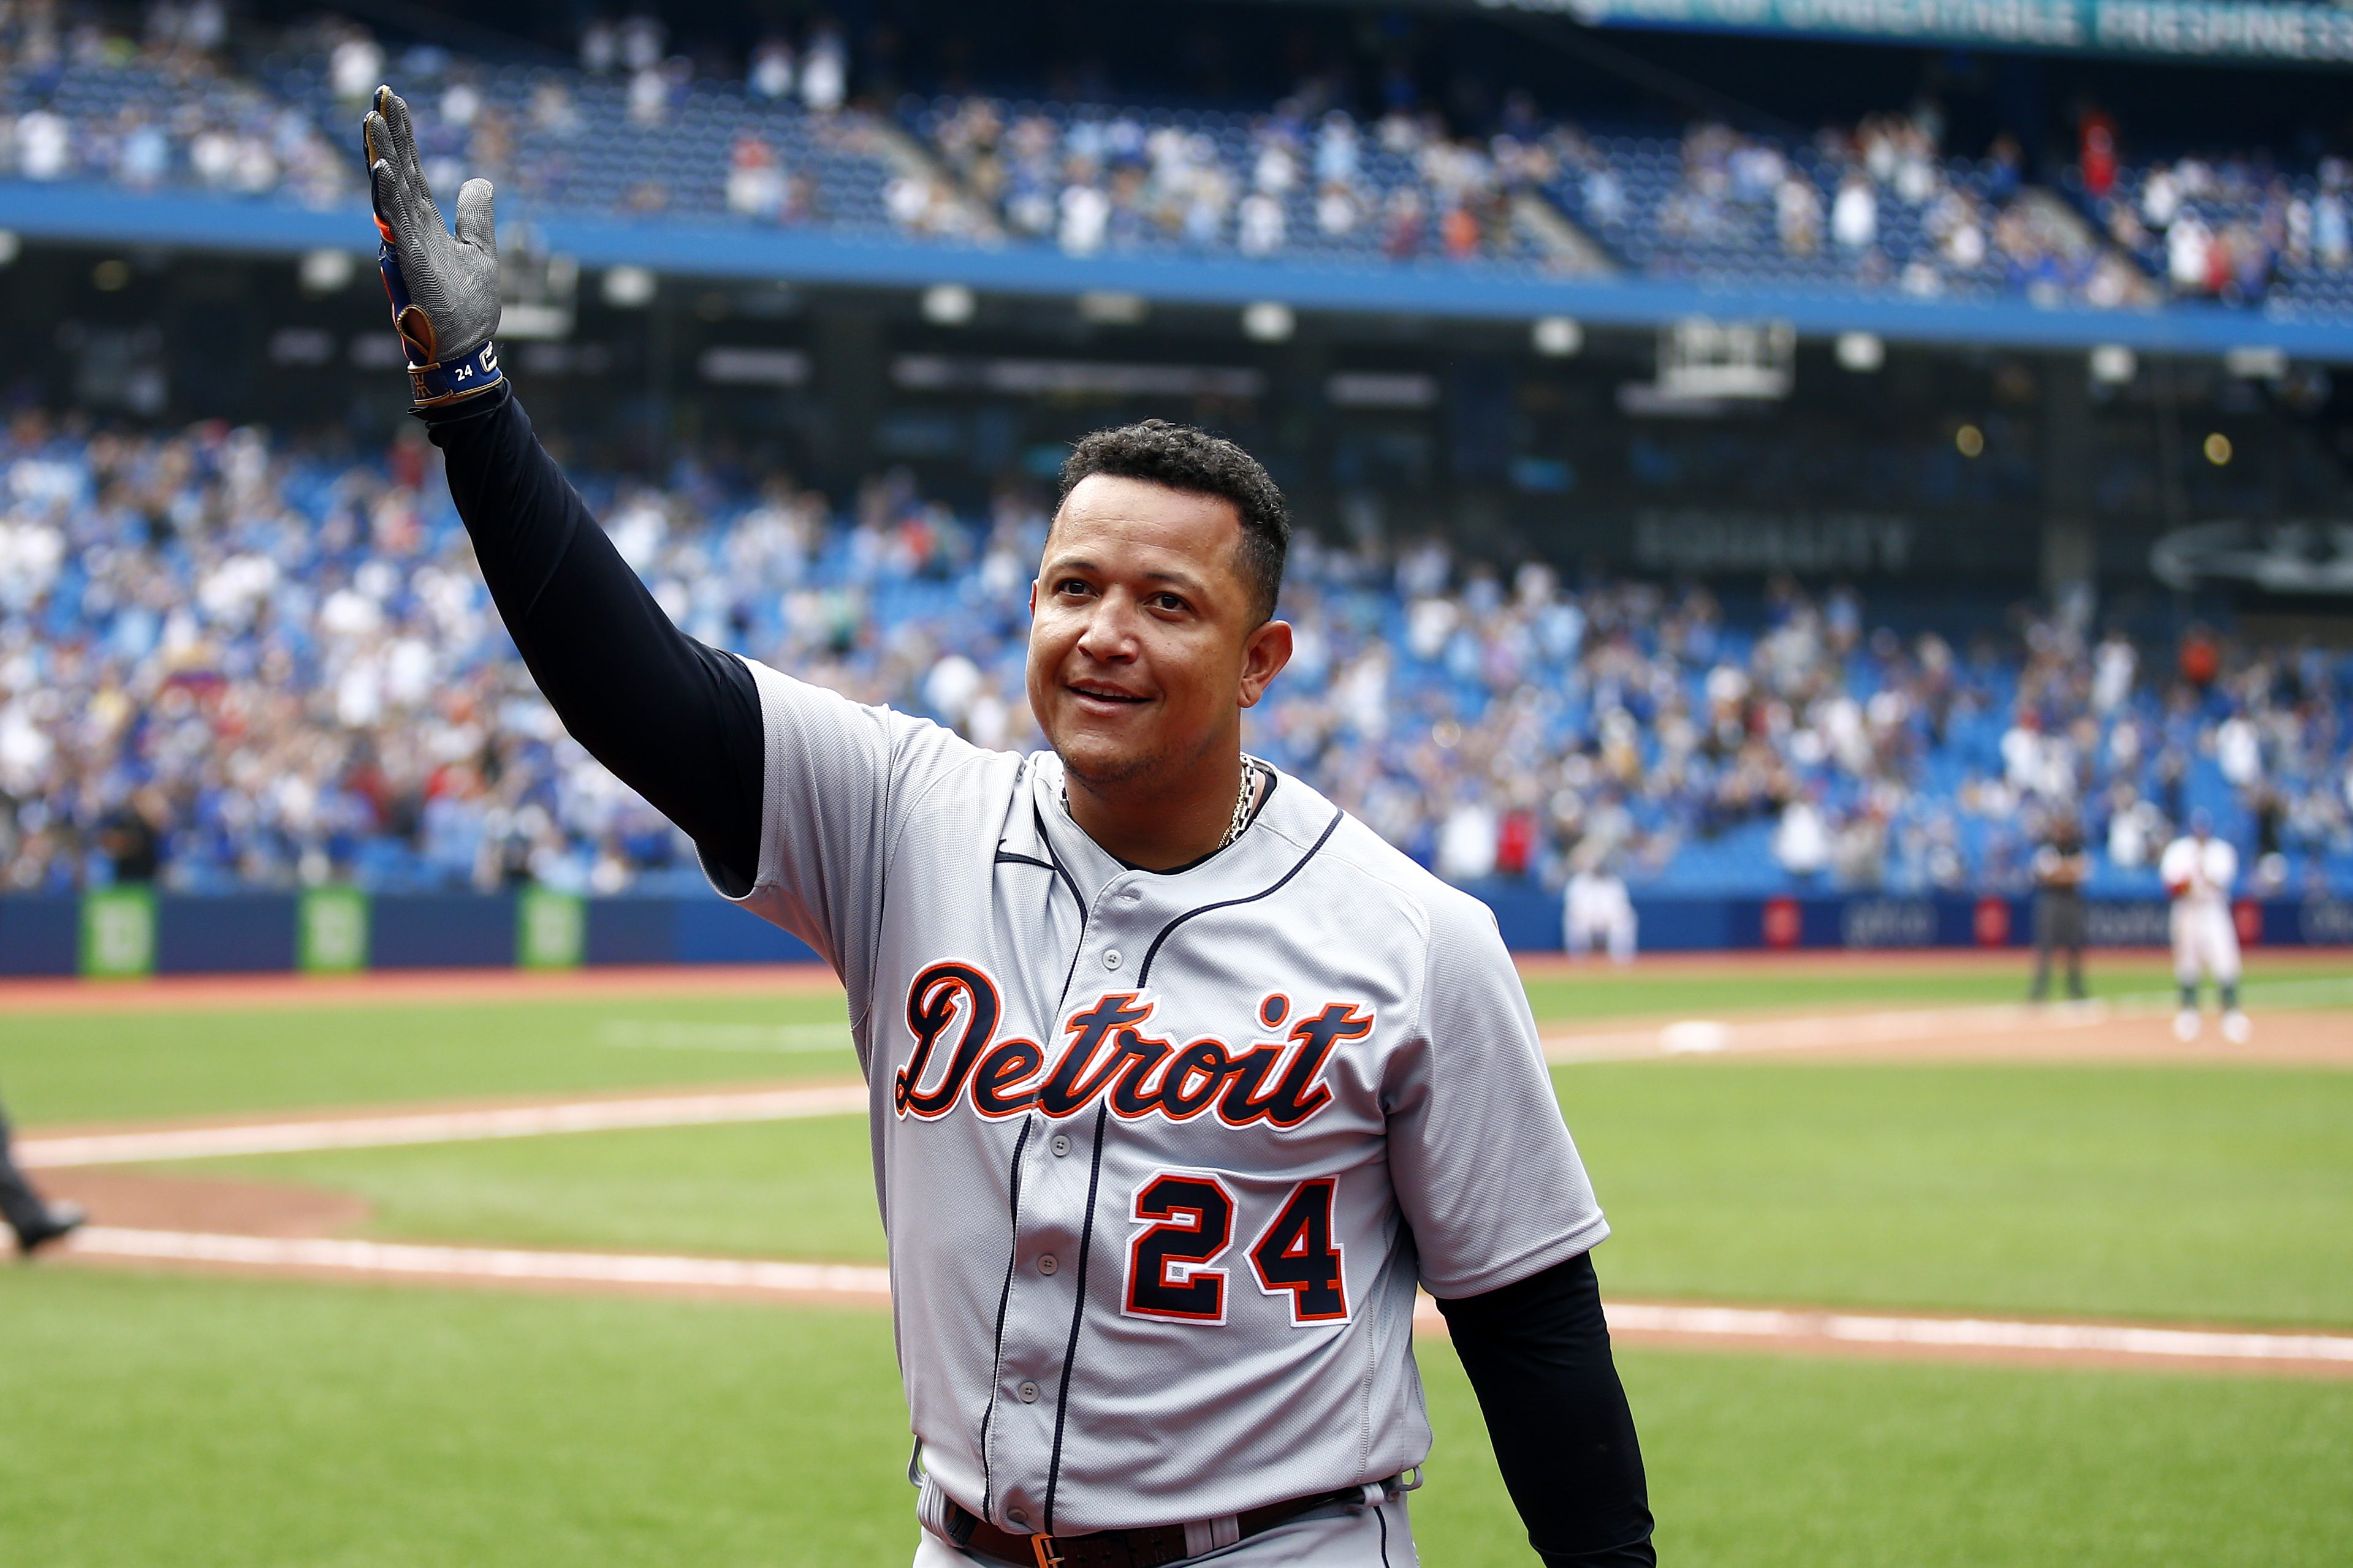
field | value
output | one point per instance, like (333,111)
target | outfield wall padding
(441,931)
(40,934)
(233,933)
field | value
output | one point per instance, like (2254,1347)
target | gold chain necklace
(1244,801)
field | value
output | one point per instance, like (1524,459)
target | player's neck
(1159,823)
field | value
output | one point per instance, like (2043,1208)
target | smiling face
(1145,637)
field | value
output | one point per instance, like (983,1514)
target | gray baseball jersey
(1161,1156)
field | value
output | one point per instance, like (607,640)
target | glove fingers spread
(476,226)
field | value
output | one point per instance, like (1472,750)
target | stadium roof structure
(103,214)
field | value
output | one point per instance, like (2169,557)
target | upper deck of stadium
(787,164)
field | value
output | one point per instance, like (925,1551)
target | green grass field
(76,1066)
(207,1423)
(197,1421)
(2151,1192)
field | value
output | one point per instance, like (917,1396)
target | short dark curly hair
(1184,458)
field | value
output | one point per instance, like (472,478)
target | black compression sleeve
(1537,1353)
(677,721)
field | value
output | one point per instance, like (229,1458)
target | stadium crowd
(782,136)
(229,664)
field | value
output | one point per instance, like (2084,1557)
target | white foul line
(752,1275)
(761,1278)
(443,1126)
(1979,1333)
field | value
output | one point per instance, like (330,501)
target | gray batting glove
(444,289)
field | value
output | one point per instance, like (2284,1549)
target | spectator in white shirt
(1855,215)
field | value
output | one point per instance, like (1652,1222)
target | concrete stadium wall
(133,932)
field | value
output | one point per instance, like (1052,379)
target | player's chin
(1101,758)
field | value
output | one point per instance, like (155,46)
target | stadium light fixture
(1969,441)
(2218,449)
(949,304)
(1861,352)
(2113,365)
(326,271)
(1268,321)
(1113,308)
(2257,363)
(1556,337)
(629,287)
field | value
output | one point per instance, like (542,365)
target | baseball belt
(1145,1546)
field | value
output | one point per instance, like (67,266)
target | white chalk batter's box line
(763,1278)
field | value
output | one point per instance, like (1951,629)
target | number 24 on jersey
(1189,1220)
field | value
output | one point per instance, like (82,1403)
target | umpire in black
(2061,869)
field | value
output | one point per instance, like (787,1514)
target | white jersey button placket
(1038,1317)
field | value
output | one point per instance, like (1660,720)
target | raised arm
(678,721)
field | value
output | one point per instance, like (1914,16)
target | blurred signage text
(2184,30)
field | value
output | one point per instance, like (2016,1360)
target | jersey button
(1131,894)
(1111,958)
(1017,1516)
(1060,1146)
(1028,1392)
(1048,1263)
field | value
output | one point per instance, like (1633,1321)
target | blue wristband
(453,379)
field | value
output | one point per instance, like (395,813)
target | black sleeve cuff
(1537,1354)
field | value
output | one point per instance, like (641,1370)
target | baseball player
(1182,1078)
(2198,869)
(1597,914)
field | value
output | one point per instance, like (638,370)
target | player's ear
(1264,653)
(1033,597)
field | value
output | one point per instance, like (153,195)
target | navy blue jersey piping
(1076,897)
(1144,970)
(1078,1319)
(1004,1298)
